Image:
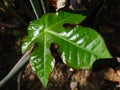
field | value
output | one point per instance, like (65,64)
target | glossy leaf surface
(80,46)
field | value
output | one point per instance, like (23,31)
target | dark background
(15,16)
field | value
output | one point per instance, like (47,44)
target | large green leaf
(80,46)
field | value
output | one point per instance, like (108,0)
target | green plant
(79,46)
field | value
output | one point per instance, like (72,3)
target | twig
(7,25)
(36,8)
(18,80)
(43,6)
(22,61)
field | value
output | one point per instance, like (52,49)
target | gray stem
(22,61)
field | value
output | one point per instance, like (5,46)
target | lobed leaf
(80,46)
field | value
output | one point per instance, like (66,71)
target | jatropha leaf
(80,46)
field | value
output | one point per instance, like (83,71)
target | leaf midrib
(44,53)
(50,27)
(55,34)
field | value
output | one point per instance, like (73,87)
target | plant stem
(36,8)
(43,6)
(22,61)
